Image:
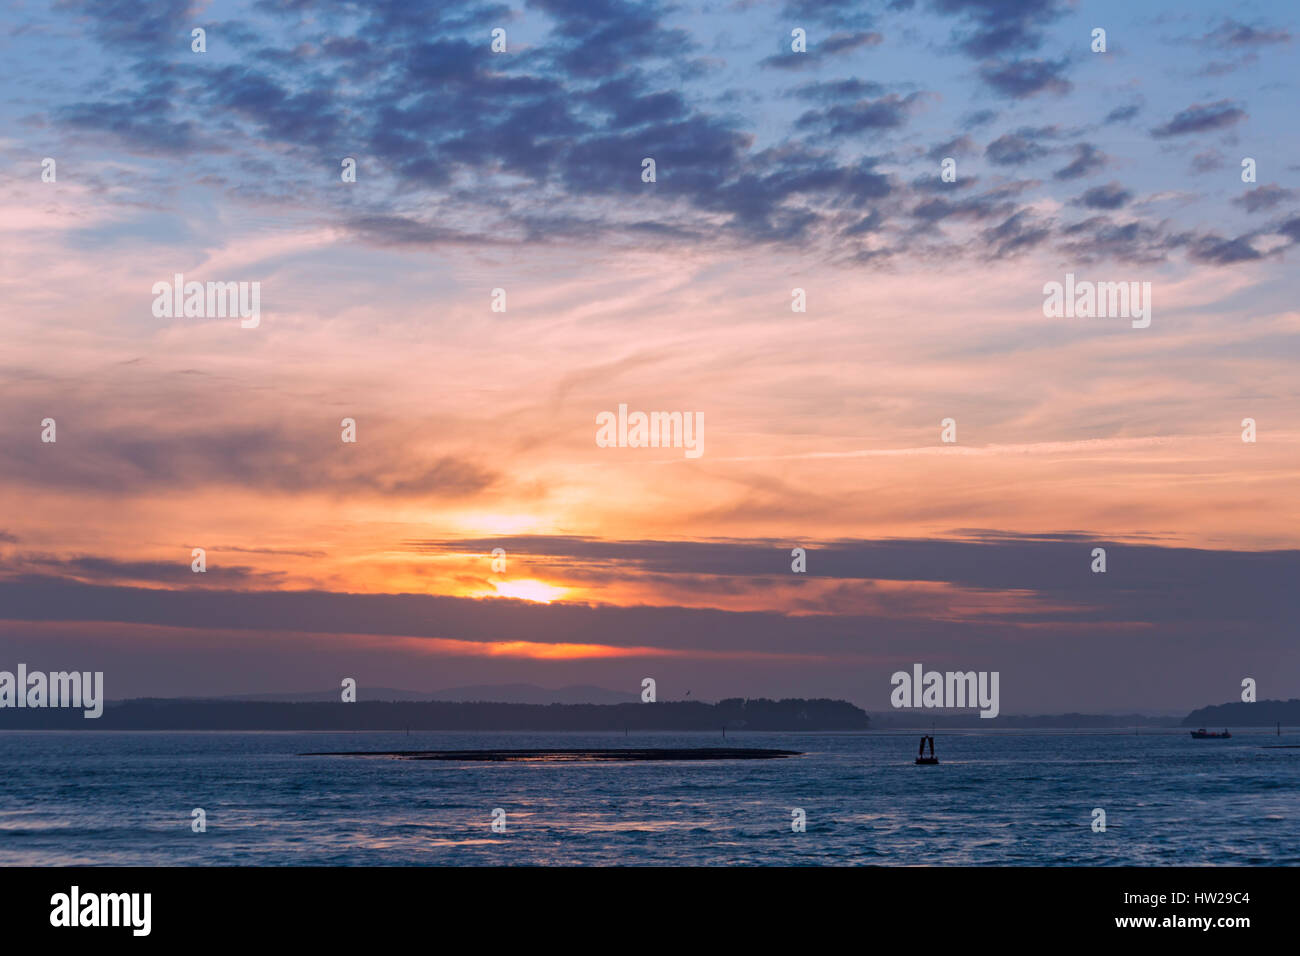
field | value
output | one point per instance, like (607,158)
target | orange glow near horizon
(538,650)
(528,589)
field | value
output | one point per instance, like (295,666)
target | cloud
(1122,113)
(1013,149)
(605,38)
(1208,161)
(820,52)
(1290,229)
(142,121)
(887,112)
(995,27)
(976,558)
(1087,159)
(1101,238)
(1110,196)
(103,570)
(1017,234)
(627,105)
(1215,250)
(979,118)
(395,230)
(1234,34)
(1264,197)
(841,42)
(827,12)
(1200,118)
(114,459)
(957,146)
(146,31)
(460,147)
(1160,586)
(830,91)
(994,203)
(1020,79)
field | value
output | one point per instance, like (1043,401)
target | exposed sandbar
(555,756)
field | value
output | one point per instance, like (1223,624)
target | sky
(475,427)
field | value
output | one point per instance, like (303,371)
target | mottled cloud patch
(1122,114)
(822,52)
(108,459)
(1264,198)
(1110,196)
(993,27)
(1218,251)
(95,569)
(842,120)
(1087,159)
(1201,118)
(1233,33)
(1012,150)
(1021,79)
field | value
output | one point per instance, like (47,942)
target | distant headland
(1260,713)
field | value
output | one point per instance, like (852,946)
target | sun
(529,590)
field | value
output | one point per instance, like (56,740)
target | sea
(995,798)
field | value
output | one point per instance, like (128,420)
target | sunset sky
(476,429)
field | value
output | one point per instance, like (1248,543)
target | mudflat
(627,753)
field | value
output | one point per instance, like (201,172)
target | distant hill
(495,693)
(1262,713)
(170,714)
(532,694)
(327,696)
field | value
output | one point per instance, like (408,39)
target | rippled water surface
(126,798)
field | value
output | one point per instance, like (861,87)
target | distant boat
(920,754)
(1203,734)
